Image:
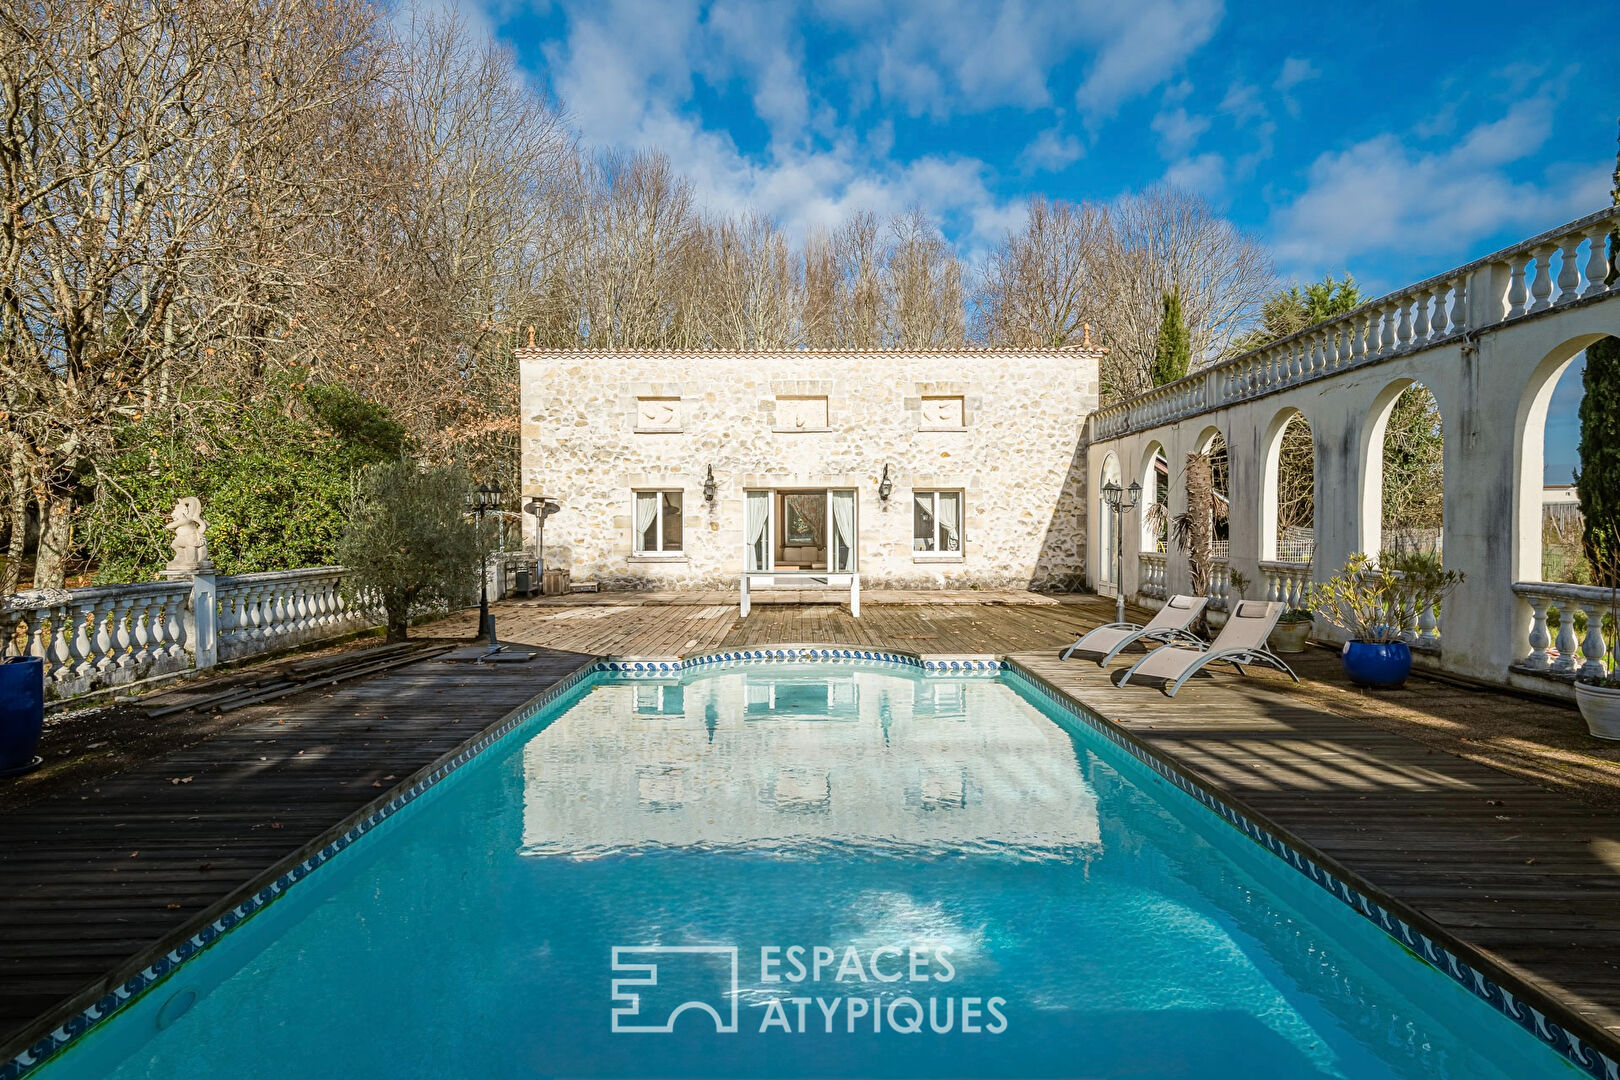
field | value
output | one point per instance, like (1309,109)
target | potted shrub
(1599,696)
(1237,584)
(1371,603)
(1292,630)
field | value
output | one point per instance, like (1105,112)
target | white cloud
(1144,44)
(1051,151)
(1381,195)
(1202,174)
(1178,130)
(1294,72)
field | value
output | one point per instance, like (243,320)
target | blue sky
(1390,140)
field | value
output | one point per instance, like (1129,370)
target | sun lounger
(1241,641)
(1168,625)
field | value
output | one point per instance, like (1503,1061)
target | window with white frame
(937,522)
(658,523)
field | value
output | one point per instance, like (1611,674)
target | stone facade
(1001,426)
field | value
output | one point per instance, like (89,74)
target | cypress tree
(1598,483)
(1173,355)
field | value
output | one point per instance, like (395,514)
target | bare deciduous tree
(1043,284)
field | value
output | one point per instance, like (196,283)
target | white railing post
(202,630)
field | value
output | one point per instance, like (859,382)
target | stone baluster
(84,638)
(1459,305)
(1403,325)
(107,650)
(1597,261)
(129,634)
(1428,624)
(1594,651)
(60,657)
(1517,295)
(174,627)
(1420,317)
(1538,660)
(1437,314)
(1569,270)
(1387,340)
(253,596)
(140,630)
(1358,337)
(227,622)
(1564,662)
(1541,288)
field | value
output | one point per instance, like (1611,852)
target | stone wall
(1002,426)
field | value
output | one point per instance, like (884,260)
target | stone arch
(1288,488)
(1529,454)
(1154,476)
(1213,442)
(1413,527)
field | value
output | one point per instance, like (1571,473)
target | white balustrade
(1560,267)
(109,635)
(1287,582)
(1151,571)
(1573,653)
(100,636)
(279,609)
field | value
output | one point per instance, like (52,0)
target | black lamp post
(1114,496)
(486,500)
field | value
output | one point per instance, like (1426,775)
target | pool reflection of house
(841,758)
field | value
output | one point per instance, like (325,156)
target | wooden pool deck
(1492,815)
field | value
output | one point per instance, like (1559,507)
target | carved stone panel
(942,413)
(658,414)
(795,413)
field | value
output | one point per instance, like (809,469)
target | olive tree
(409,548)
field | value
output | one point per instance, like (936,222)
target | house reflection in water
(861,757)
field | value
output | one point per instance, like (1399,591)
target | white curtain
(842,555)
(756,514)
(949,503)
(922,529)
(646,514)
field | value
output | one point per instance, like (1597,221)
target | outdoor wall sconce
(709,487)
(885,485)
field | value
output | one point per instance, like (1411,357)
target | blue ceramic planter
(22,712)
(1371,664)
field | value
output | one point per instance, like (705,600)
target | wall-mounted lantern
(709,487)
(885,485)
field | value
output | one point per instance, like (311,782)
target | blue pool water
(958,858)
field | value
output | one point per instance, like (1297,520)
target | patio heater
(486,500)
(1114,496)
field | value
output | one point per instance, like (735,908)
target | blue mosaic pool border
(367,819)
(632,667)
(1580,1053)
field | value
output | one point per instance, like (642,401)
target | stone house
(953,468)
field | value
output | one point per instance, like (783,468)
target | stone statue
(190,549)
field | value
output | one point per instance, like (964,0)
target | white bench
(802,580)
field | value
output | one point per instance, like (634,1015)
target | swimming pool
(847,869)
